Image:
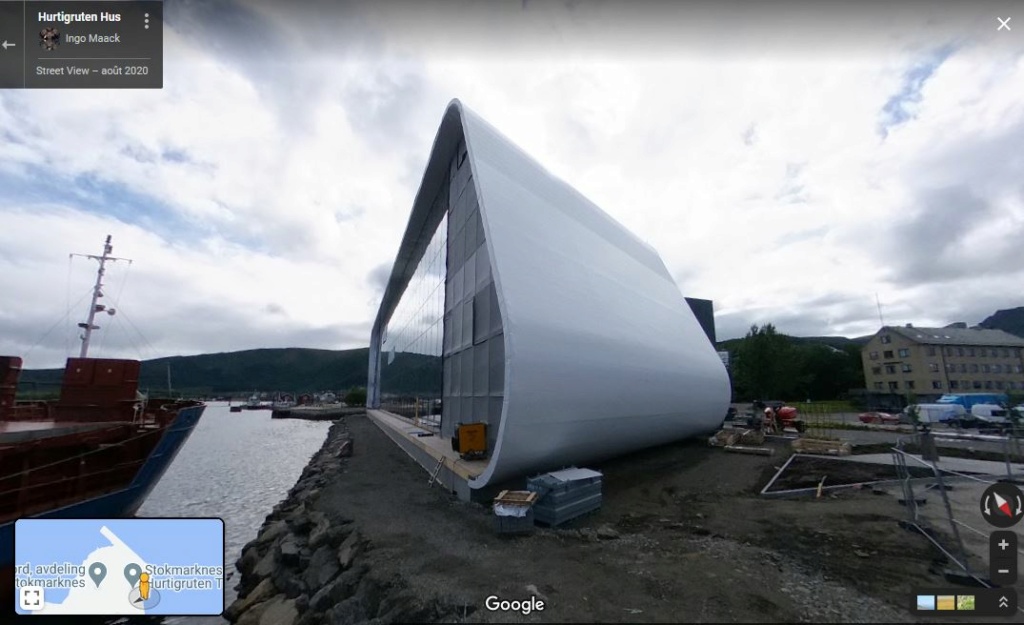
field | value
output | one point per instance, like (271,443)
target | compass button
(1002,505)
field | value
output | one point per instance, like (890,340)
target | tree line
(768,365)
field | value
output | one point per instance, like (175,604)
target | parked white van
(938,413)
(988,411)
(989,416)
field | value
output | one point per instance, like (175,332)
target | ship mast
(97,293)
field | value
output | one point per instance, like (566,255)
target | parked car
(879,418)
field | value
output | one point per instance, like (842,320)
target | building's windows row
(952,368)
(967,352)
(980,352)
(985,368)
(965,385)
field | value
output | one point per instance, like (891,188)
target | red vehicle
(776,415)
(883,418)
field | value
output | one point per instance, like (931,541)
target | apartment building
(933,361)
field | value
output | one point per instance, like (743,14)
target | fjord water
(235,466)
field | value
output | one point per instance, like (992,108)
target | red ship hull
(96,452)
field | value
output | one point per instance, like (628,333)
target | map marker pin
(97,571)
(132,573)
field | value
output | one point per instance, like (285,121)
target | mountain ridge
(1008,320)
(302,369)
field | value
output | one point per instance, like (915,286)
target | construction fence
(946,508)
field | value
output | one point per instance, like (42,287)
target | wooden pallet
(752,438)
(724,438)
(516,497)
(818,446)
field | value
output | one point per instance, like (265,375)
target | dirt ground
(684,536)
(809,472)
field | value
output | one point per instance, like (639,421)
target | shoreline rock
(294,553)
(304,568)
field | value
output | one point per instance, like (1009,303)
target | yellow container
(472,438)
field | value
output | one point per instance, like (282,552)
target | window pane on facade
(480,372)
(483,268)
(411,380)
(481,318)
(469,274)
(466,366)
(473,231)
(467,324)
(496,364)
(492,293)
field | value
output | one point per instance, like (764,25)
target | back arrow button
(6,44)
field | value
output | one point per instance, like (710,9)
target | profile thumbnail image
(49,38)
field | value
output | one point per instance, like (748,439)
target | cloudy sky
(788,160)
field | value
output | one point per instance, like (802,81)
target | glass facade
(442,354)
(411,350)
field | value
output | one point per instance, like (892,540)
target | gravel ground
(682,536)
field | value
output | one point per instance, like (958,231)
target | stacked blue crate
(565,495)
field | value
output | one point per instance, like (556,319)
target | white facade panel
(602,354)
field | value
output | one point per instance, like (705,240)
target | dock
(421,440)
(315,413)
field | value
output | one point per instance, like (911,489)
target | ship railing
(139,410)
(38,391)
(29,411)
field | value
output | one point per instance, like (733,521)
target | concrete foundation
(424,444)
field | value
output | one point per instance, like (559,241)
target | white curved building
(519,303)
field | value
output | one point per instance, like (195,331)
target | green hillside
(296,370)
(292,369)
(816,371)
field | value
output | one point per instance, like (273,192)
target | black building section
(704,311)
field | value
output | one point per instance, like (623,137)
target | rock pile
(305,568)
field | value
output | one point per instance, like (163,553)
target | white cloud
(263,189)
